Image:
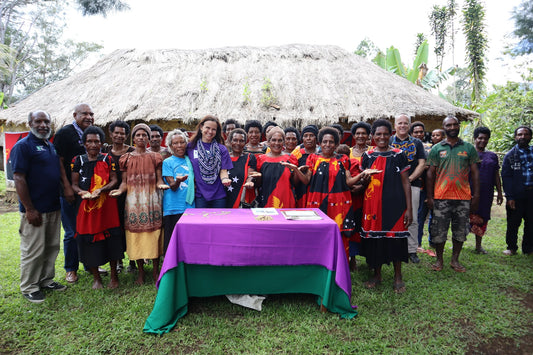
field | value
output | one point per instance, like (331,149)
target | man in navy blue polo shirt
(37,178)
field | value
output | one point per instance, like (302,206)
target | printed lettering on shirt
(462,154)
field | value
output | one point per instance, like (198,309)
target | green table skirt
(191,280)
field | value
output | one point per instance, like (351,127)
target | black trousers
(523,210)
(169,222)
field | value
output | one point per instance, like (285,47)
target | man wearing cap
(416,156)
(36,170)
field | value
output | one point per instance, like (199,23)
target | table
(228,251)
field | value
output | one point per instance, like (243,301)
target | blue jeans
(70,246)
(423,211)
(201,202)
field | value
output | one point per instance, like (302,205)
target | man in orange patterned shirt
(449,196)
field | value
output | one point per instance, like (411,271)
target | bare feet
(140,280)
(398,286)
(372,283)
(437,266)
(97,285)
(112,284)
(353,264)
(457,267)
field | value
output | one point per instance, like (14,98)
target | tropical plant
(438,20)
(523,18)
(392,61)
(507,107)
(476,45)
(268,97)
(459,92)
(420,38)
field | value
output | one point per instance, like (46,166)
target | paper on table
(301,215)
(264,211)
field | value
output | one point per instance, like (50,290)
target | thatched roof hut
(293,84)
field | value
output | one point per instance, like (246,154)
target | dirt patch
(503,346)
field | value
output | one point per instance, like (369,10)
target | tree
(438,20)
(476,45)
(441,20)
(101,7)
(420,38)
(523,18)
(367,49)
(33,52)
(459,92)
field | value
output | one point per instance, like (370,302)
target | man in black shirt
(68,144)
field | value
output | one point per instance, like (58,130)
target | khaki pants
(39,247)
(412,242)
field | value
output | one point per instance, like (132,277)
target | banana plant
(392,61)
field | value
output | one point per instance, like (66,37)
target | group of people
(115,198)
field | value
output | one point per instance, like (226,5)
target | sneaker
(120,267)
(34,297)
(55,286)
(509,252)
(414,258)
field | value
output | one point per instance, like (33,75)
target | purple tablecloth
(233,237)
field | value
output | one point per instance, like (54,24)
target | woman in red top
(243,172)
(279,173)
(330,181)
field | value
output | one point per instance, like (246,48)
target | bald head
(84,116)
(40,124)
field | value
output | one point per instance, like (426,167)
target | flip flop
(399,288)
(436,267)
(458,268)
(371,284)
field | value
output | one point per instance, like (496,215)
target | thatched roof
(297,83)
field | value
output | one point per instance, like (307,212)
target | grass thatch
(293,84)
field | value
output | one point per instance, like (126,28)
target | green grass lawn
(488,307)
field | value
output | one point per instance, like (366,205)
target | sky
(162,24)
